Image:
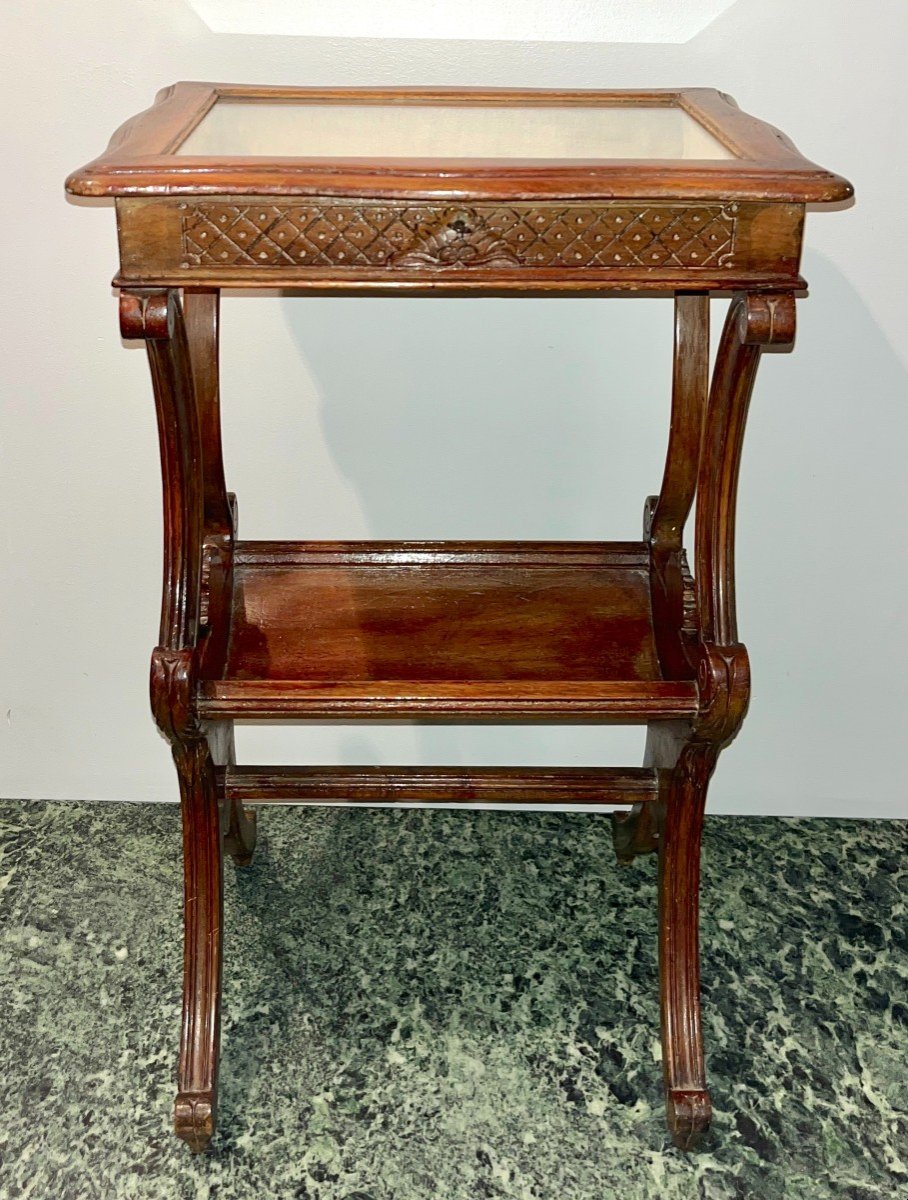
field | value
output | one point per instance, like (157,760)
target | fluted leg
(687,1100)
(195,1110)
(180,329)
(697,635)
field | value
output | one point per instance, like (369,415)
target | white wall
(486,418)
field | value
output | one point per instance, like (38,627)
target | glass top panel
(293,129)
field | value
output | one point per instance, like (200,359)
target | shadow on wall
(821,568)
(490,417)
(825,420)
(524,418)
(547,418)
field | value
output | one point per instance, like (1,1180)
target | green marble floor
(459,1005)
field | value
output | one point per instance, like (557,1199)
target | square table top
(222,139)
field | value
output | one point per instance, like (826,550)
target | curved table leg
(634,833)
(239,824)
(195,1109)
(664,516)
(201,315)
(241,833)
(208,833)
(687,1100)
(685,755)
(180,332)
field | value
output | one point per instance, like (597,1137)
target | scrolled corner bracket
(145,314)
(767,319)
(723,684)
(172,693)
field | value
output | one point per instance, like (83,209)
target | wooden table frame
(604,631)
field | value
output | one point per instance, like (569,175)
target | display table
(674,192)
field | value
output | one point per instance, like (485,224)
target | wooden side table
(674,192)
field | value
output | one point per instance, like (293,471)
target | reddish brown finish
(439,785)
(684,754)
(497,630)
(687,1100)
(462,216)
(197,515)
(140,161)
(474,700)
(324,242)
(667,513)
(195,1109)
(476,631)
(575,612)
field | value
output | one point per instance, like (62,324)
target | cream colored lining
(276,129)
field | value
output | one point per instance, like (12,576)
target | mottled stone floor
(424,1004)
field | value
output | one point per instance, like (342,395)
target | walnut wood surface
(508,612)
(473,630)
(180,332)
(688,1105)
(665,520)
(200,311)
(511,244)
(477,631)
(684,753)
(605,631)
(500,224)
(474,700)
(439,785)
(140,159)
(195,1108)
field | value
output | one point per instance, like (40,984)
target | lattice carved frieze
(404,235)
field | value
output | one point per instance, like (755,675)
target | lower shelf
(270,699)
(445,630)
(439,785)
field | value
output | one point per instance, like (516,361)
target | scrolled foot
(689,1114)
(633,833)
(193,1119)
(240,838)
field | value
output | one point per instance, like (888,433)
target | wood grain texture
(509,613)
(157,316)
(723,679)
(596,556)
(140,158)
(514,244)
(473,630)
(195,1107)
(499,631)
(180,332)
(439,785)
(201,316)
(667,513)
(486,224)
(751,323)
(473,700)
